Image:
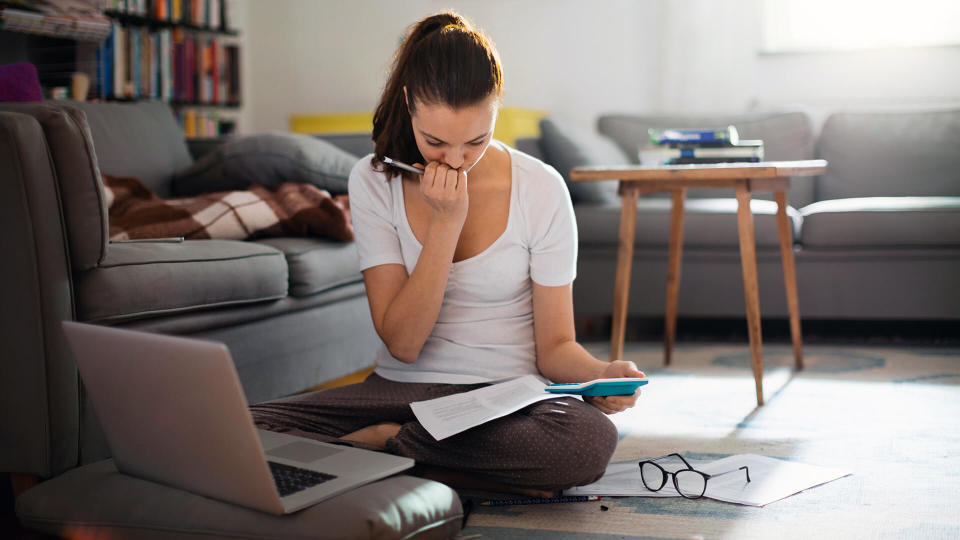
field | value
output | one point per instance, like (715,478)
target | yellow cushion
(512,123)
(358,122)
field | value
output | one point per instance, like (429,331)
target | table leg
(789,277)
(748,260)
(621,291)
(674,258)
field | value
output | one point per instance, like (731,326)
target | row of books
(168,64)
(202,124)
(695,146)
(204,13)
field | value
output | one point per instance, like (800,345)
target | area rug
(890,415)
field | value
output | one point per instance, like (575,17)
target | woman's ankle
(374,435)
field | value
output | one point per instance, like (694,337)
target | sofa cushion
(78,176)
(318,265)
(890,154)
(786,137)
(140,140)
(565,148)
(96,501)
(269,160)
(882,222)
(147,278)
(707,223)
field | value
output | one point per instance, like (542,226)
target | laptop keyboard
(293,479)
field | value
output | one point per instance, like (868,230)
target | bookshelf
(181,52)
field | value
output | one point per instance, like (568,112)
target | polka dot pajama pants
(552,444)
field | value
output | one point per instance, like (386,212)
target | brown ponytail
(442,60)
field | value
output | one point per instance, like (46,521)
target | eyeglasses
(690,483)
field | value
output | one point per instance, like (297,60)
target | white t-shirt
(484,330)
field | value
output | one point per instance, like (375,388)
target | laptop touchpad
(303,452)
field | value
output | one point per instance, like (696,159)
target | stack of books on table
(696,146)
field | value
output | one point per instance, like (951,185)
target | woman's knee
(583,450)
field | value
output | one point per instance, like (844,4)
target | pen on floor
(541,500)
(402,165)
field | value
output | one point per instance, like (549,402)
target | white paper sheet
(446,416)
(771,479)
(622,479)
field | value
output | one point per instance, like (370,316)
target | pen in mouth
(402,165)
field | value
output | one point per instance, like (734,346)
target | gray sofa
(292,311)
(876,237)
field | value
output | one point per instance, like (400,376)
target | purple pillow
(19,82)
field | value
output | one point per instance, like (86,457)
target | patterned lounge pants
(552,444)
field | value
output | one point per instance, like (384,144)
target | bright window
(843,25)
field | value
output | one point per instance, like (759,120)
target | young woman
(468,269)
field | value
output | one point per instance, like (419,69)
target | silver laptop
(173,412)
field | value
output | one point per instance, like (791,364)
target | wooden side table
(745,178)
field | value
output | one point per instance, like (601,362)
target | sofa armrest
(38,379)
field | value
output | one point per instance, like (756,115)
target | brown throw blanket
(290,210)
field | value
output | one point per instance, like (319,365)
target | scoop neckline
(510,212)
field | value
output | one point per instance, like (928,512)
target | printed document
(622,479)
(449,415)
(771,479)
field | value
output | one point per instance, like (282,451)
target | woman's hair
(442,60)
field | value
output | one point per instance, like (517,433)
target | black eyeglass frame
(687,468)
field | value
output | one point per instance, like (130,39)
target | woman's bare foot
(375,435)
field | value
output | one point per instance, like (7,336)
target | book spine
(190,68)
(167,59)
(721,152)
(190,123)
(727,135)
(661,155)
(135,63)
(703,161)
(119,60)
(233,63)
(106,87)
(128,64)
(178,62)
(215,71)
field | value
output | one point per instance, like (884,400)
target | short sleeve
(371,210)
(552,229)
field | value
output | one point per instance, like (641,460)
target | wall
(578,59)
(712,62)
(573,58)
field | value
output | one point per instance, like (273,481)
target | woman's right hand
(445,190)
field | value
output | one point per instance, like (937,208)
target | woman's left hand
(615,404)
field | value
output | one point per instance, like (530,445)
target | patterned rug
(890,415)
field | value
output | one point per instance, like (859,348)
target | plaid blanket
(289,210)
